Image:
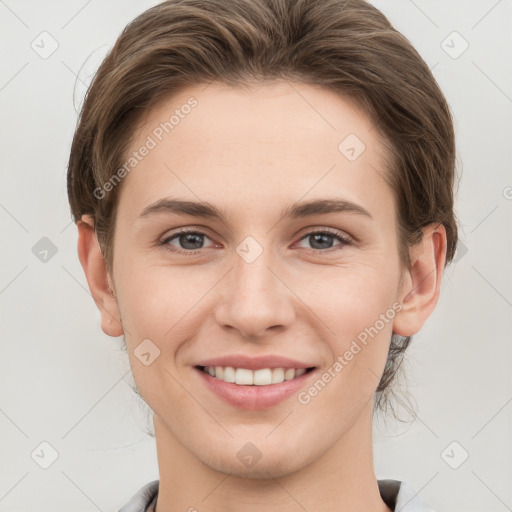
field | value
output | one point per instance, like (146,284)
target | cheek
(155,301)
(357,307)
(165,303)
(349,298)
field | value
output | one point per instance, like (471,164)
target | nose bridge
(257,299)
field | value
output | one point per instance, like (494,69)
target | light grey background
(63,382)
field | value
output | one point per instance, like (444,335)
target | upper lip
(254,363)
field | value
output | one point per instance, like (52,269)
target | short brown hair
(346,46)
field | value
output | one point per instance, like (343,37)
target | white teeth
(277,375)
(219,372)
(289,374)
(228,374)
(261,377)
(244,377)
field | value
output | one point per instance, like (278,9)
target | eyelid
(315,229)
(344,238)
(183,230)
(331,231)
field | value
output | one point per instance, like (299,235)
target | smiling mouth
(260,377)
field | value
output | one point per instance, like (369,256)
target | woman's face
(269,283)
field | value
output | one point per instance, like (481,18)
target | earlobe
(99,281)
(422,282)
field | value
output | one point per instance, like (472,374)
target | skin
(252,152)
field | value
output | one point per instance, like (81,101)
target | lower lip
(254,397)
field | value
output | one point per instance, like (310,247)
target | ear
(99,280)
(422,282)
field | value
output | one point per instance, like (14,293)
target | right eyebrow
(192,208)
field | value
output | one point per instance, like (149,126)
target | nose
(255,299)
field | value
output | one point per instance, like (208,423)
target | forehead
(275,142)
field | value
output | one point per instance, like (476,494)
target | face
(267,283)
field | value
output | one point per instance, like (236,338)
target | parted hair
(345,46)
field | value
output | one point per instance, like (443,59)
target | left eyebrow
(296,210)
(323,206)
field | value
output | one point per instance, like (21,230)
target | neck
(342,479)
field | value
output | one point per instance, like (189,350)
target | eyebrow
(295,210)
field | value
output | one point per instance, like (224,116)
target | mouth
(257,377)
(254,388)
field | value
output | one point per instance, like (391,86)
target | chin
(269,465)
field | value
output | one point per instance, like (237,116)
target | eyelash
(345,240)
